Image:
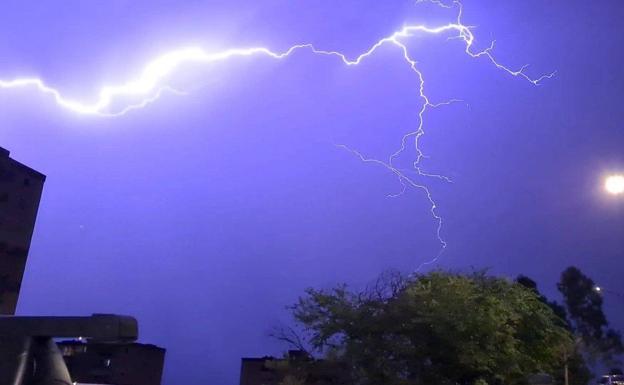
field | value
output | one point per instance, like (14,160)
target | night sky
(205,214)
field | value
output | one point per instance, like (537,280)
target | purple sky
(205,215)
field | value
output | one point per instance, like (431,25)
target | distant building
(117,364)
(270,370)
(20,192)
(259,371)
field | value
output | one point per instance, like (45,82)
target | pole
(566,380)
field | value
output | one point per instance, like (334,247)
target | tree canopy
(575,368)
(586,318)
(437,328)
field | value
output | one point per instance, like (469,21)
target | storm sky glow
(151,84)
(203,188)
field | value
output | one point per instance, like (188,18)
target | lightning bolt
(149,87)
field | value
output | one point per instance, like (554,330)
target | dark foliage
(586,317)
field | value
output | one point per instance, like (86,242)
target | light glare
(614,184)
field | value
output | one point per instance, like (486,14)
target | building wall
(258,371)
(118,364)
(296,364)
(20,192)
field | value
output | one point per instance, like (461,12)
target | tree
(438,328)
(575,370)
(559,310)
(587,319)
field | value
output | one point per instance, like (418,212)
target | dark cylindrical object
(49,366)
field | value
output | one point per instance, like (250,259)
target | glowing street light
(614,184)
(600,290)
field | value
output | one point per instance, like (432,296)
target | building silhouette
(88,362)
(295,367)
(20,192)
(119,364)
(270,370)
(259,371)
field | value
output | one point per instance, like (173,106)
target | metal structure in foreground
(29,355)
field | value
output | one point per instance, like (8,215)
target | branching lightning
(150,85)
